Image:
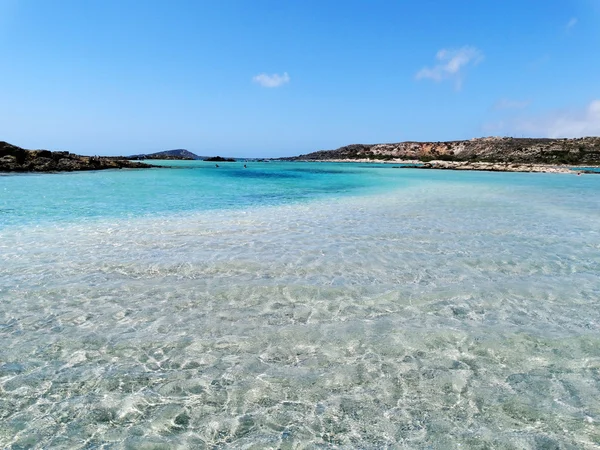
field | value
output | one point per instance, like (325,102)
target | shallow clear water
(299,305)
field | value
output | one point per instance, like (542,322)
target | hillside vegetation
(490,149)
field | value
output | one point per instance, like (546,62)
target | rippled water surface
(294,305)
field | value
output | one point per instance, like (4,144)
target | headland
(17,159)
(502,154)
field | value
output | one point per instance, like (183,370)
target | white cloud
(450,64)
(557,124)
(271,81)
(505,103)
(575,123)
(571,23)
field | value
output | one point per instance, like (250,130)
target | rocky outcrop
(219,159)
(491,149)
(17,159)
(492,167)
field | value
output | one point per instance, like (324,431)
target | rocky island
(180,154)
(177,154)
(490,153)
(17,159)
(219,159)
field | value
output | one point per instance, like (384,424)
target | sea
(292,305)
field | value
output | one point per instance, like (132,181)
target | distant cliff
(180,153)
(17,159)
(491,149)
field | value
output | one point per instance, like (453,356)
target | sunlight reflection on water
(436,315)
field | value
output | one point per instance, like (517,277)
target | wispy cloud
(574,123)
(539,63)
(578,122)
(505,103)
(571,23)
(451,63)
(271,81)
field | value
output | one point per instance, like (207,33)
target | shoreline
(537,151)
(467,165)
(15,159)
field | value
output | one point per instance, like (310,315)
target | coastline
(15,159)
(465,165)
(501,150)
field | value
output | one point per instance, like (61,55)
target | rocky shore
(466,165)
(493,167)
(17,159)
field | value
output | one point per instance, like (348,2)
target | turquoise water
(297,305)
(189,186)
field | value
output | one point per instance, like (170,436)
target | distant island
(177,154)
(489,153)
(219,159)
(17,159)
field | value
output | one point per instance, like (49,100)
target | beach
(468,165)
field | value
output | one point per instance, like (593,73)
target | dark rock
(43,164)
(43,154)
(219,159)
(16,159)
(58,155)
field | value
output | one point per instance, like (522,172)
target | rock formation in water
(578,151)
(219,159)
(17,159)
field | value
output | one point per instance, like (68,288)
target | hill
(180,154)
(490,149)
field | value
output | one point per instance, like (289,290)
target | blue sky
(276,78)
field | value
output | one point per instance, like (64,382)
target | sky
(277,78)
